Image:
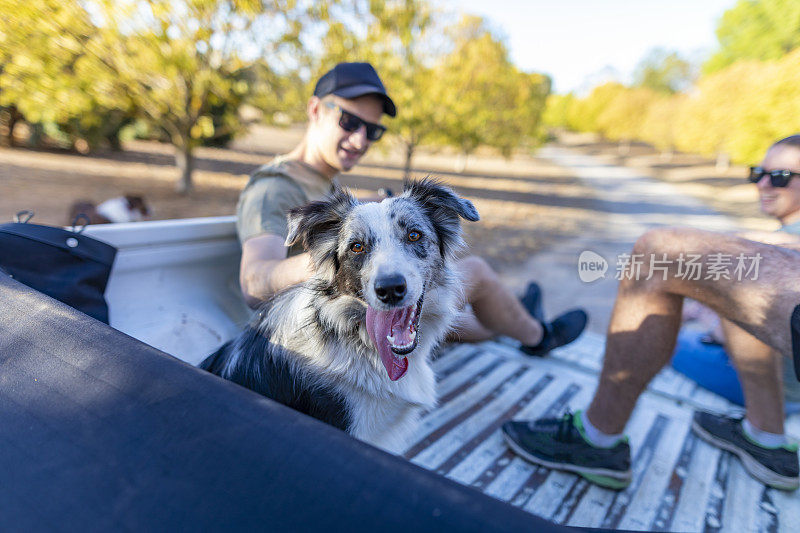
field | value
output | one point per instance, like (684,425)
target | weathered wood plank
(698,480)
(493,425)
(443,448)
(680,482)
(484,463)
(641,512)
(593,508)
(531,476)
(439,418)
(788,507)
(716,501)
(742,499)
(473,370)
(453,358)
(641,460)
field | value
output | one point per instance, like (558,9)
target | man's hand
(265,269)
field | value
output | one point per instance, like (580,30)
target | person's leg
(646,315)
(496,310)
(707,364)
(760,371)
(469,329)
(641,337)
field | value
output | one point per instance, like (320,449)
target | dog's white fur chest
(392,422)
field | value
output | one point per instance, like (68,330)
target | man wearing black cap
(343,121)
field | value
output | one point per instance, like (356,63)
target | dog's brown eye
(357,247)
(414,235)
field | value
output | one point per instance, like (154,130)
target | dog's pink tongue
(379,325)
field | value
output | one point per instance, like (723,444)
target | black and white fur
(308,347)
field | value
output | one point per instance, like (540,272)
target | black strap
(795,327)
(76,243)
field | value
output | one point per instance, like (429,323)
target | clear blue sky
(580,42)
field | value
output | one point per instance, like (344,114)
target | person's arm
(265,269)
(778,238)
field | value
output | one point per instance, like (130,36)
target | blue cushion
(708,365)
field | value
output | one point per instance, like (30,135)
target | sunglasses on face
(777,178)
(350,122)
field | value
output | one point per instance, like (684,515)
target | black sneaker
(560,443)
(532,301)
(561,331)
(776,467)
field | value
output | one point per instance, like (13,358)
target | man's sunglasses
(777,178)
(350,122)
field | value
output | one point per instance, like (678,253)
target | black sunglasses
(350,122)
(777,178)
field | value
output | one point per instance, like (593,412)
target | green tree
(587,110)
(623,116)
(400,43)
(664,71)
(280,96)
(400,38)
(452,85)
(659,125)
(48,77)
(182,61)
(484,100)
(756,29)
(175,63)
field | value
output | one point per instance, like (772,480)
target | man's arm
(265,269)
(778,238)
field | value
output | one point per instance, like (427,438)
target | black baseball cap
(351,80)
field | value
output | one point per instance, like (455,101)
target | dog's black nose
(390,289)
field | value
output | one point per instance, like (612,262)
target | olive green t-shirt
(272,191)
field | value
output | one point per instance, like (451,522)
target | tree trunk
(14,117)
(184,160)
(409,154)
(36,135)
(461,162)
(723,162)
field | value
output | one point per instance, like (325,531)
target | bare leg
(646,316)
(496,309)
(641,338)
(469,329)
(759,369)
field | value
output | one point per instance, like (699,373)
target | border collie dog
(352,345)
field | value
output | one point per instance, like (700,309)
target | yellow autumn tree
(483,99)
(398,37)
(622,117)
(176,63)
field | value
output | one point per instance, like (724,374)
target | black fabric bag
(63,264)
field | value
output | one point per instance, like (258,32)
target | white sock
(763,438)
(597,437)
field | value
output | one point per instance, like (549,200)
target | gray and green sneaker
(776,467)
(561,443)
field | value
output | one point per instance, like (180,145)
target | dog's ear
(316,225)
(444,208)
